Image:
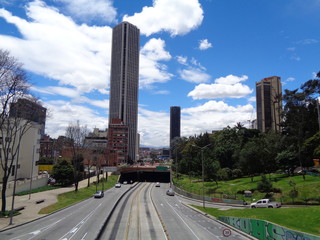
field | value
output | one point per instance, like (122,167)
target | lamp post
(201,148)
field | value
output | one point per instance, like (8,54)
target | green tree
(250,158)
(311,148)
(301,116)
(63,172)
(265,185)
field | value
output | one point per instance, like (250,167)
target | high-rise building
(124,81)
(174,122)
(29,110)
(269,104)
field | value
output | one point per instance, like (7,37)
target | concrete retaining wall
(21,186)
(265,230)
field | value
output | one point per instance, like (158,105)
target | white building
(28,153)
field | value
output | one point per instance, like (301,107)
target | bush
(264,185)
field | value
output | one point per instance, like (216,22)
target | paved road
(81,221)
(144,212)
(181,222)
(31,208)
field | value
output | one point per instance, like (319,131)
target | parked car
(170,192)
(125,182)
(118,185)
(157,184)
(98,194)
(265,203)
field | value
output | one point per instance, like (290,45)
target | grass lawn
(68,198)
(308,188)
(304,219)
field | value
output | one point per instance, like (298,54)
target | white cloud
(314,75)
(289,79)
(177,17)
(308,41)
(182,60)
(89,10)
(154,50)
(224,87)
(295,57)
(151,70)
(204,44)
(62,113)
(194,75)
(291,49)
(153,128)
(54,46)
(162,92)
(63,91)
(213,115)
(252,99)
(231,79)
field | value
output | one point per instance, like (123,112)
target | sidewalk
(30,212)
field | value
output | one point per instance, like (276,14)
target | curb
(104,225)
(222,223)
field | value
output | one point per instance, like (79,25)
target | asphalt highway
(143,211)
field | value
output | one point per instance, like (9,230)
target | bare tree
(13,86)
(77,134)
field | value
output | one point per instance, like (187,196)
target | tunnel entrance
(141,176)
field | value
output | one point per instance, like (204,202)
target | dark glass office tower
(124,81)
(174,122)
(269,104)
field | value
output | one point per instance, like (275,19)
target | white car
(157,184)
(118,185)
(170,192)
(265,203)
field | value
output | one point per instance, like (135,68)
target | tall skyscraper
(269,104)
(124,81)
(174,122)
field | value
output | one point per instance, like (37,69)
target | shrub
(264,185)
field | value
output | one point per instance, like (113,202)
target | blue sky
(202,55)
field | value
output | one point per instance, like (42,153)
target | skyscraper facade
(124,81)
(269,104)
(175,113)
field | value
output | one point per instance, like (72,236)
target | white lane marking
(183,221)
(83,238)
(76,228)
(37,231)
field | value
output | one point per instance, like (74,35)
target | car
(125,182)
(118,185)
(265,203)
(157,184)
(98,194)
(170,192)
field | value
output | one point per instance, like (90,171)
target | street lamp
(201,148)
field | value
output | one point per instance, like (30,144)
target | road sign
(110,169)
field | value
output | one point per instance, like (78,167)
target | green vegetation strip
(308,188)
(69,198)
(304,219)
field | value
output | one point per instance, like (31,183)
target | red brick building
(117,147)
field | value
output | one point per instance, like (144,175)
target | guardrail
(206,198)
